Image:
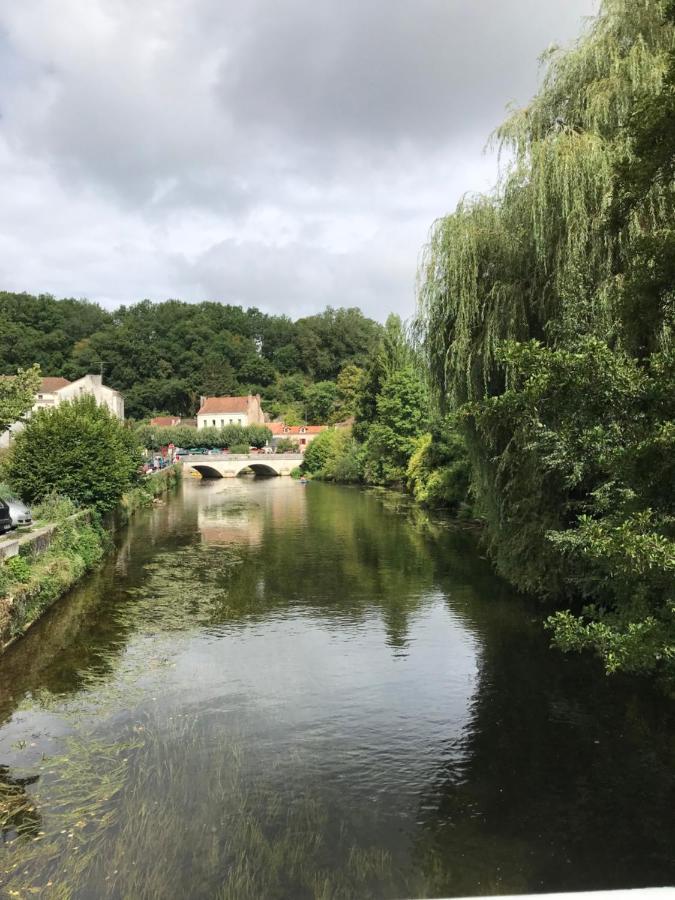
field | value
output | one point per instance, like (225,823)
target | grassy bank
(142,495)
(32,581)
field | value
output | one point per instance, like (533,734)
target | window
(231,421)
(302,431)
(222,423)
(214,422)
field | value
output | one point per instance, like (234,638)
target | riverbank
(44,570)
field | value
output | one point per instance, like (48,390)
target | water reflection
(285,691)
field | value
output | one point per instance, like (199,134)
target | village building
(302,435)
(166,421)
(217,412)
(54,391)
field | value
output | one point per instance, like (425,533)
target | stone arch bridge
(229,465)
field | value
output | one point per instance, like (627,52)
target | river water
(273,690)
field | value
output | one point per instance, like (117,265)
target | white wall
(221,420)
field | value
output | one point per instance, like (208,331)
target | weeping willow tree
(546,316)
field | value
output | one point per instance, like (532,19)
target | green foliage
(546,319)
(17,395)
(439,471)
(402,414)
(346,463)
(287,445)
(319,402)
(35,583)
(319,452)
(79,450)
(163,356)
(334,455)
(185,437)
(349,388)
(239,448)
(18,568)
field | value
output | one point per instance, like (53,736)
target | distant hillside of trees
(163,356)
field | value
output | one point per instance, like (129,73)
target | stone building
(217,412)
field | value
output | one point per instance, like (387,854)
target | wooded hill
(163,356)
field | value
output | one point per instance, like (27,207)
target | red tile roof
(165,421)
(51,385)
(278,428)
(224,405)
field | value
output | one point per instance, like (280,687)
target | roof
(51,385)
(278,428)
(224,405)
(165,421)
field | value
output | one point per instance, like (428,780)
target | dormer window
(286,429)
(303,430)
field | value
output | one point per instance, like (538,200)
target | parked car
(19,514)
(5,517)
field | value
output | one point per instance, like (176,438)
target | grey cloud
(286,154)
(383,71)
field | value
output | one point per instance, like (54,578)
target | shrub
(239,448)
(319,452)
(287,445)
(18,568)
(79,450)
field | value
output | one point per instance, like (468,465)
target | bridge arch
(258,469)
(207,471)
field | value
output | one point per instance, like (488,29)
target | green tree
(319,451)
(287,445)
(349,387)
(319,402)
(17,395)
(79,450)
(402,416)
(546,319)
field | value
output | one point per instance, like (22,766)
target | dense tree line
(163,356)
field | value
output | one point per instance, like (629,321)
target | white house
(217,412)
(54,391)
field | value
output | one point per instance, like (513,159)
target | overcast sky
(285,154)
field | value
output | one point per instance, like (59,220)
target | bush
(239,448)
(187,437)
(287,445)
(18,568)
(79,450)
(319,452)
(439,470)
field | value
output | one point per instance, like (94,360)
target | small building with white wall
(218,412)
(54,391)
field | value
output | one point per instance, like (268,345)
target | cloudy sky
(287,154)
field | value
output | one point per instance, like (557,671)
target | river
(273,690)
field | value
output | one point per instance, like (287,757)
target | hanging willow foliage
(536,259)
(546,313)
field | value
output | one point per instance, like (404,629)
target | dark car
(5,517)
